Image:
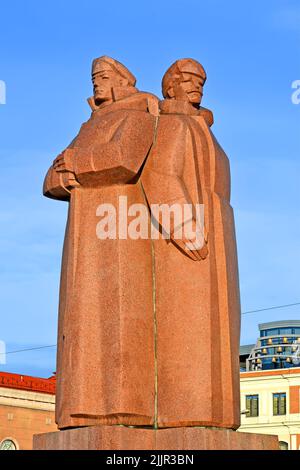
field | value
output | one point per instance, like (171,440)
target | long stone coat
(197,304)
(105,359)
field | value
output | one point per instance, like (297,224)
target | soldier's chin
(195,100)
(194,95)
(99,99)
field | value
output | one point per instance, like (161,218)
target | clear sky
(251,52)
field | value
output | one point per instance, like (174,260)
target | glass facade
(280,331)
(277,348)
(281,340)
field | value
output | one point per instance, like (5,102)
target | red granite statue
(197,303)
(105,360)
(149,326)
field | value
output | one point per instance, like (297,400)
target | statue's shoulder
(184,111)
(208,116)
(177,120)
(137,106)
(174,124)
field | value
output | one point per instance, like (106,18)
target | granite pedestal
(126,438)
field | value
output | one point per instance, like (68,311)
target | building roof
(246,349)
(279,324)
(26,382)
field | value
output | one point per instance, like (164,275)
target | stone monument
(149,326)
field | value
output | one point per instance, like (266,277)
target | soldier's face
(103,83)
(192,85)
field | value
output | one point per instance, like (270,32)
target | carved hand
(64,161)
(195,245)
(197,254)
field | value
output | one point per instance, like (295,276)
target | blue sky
(251,52)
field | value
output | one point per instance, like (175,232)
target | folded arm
(163,183)
(59,180)
(119,160)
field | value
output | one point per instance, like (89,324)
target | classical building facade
(270,404)
(26,408)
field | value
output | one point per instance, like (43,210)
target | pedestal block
(125,438)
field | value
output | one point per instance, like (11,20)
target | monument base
(124,438)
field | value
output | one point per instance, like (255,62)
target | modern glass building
(278,346)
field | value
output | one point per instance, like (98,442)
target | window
(285,331)
(8,444)
(252,405)
(283,445)
(279,404)
(272,332)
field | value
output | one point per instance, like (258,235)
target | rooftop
(279,324)
(26,382)
(246,349)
